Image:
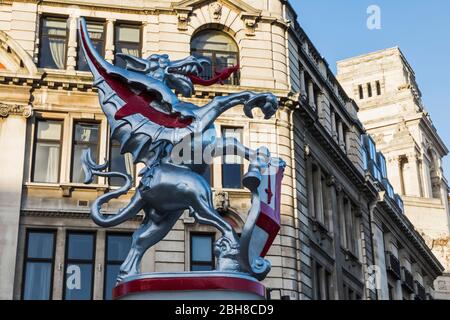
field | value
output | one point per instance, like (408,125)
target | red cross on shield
(269,221)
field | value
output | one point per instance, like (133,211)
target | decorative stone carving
(221,200)
(183,21)
(7,109)
(215,10)
(250,22)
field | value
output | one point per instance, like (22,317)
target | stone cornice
(6,110)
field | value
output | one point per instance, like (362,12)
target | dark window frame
(35,141)
(74,143)
(68,261)
(103,39)
(106,261)
(26,259)
(369,90)
(378,85)
(41,35)
(211,263)
(137,25)
(235,79)
(361,92)
(222,130)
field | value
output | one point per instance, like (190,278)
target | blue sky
(338,28)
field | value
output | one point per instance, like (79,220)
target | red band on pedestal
(188,284)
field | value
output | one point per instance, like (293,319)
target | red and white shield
(269,221)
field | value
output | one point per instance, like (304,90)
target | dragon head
(179,75)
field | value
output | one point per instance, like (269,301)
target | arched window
(220,48)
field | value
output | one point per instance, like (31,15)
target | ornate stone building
(384,86)
(333,197)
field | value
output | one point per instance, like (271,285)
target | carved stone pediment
(12,109)
(237,4)
(249,15)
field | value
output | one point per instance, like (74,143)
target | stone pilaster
(13,124)
(109,41)
(311,97)
(72,44)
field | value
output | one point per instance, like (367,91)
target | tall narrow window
(232,165)
(47,151)
(127,40)
(378,88)
(220,48)
(202,258)
(96,33)
(318,282)
(53,43)
(361,92)
(86,136)
(328,286)
(369,90)
(117,247)
(122,163)
(326,205)
(79,266)
(343,204)
(39,261)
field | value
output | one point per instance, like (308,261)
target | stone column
(311,101)
(109,40)
(411,174)
(72,44)
(341,135)
(333,126)
(303,93)
(13,125)
(427,179)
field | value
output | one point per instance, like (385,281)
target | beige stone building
(333,200)
(391,109)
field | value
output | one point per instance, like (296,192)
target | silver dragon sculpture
(149,120)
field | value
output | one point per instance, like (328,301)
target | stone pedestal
(190,286)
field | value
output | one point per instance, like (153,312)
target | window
(369,90)
(127,40)
(220,48)
(119,163)
(361,92)
(96,33)
(322,283)
(202,258)
(349,227)
(378,88)
(47,151)
(117,247)
(38,265)
(86,136)
(232,165)
(328,285)
(79,266)
(53,43)
(318,282)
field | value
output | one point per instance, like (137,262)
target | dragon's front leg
(267,102)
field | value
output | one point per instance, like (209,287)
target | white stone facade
(398,121)
(316,131)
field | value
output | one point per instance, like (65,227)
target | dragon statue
(146,116)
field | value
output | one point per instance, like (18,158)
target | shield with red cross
(269,221)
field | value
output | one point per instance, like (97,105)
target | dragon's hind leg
(151,231)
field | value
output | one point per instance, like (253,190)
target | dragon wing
(125,97)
